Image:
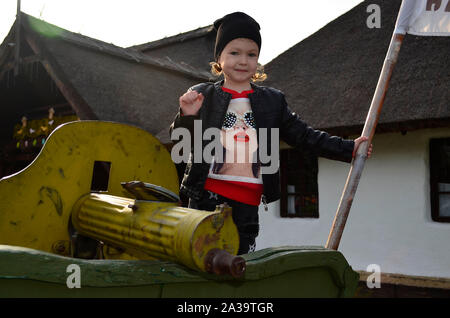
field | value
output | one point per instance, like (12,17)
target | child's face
(239,60)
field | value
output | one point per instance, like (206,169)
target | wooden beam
(59,109)
(24,61)
(81,107)
(17,47)
(408,280)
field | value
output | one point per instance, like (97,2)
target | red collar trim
(234,94)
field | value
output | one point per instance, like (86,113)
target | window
(440,179)
(100,176)
(299,189)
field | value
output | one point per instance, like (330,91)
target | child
(239,108)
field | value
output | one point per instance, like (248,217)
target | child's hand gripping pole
(360,140)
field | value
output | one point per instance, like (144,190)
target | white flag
(424,17)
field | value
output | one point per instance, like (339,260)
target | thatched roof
(195,48)
(330,77)
(106,82)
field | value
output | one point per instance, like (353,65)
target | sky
(124,23)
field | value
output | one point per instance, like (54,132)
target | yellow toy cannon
(96,214)
(78,198)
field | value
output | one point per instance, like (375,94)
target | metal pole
(17,46)
(369,129)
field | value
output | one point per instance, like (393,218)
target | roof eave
(197,33)
(111,49)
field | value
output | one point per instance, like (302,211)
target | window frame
(285,194)
(435,147)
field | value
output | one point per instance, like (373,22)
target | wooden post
(369,130)
(17,46)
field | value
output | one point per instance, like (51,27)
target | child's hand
(358,141)
(191,102)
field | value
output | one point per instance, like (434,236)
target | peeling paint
(217,221)
(205,240)
(49,170)
(54,196)
(61,172)
(120,143)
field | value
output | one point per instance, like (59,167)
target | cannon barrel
(201,240)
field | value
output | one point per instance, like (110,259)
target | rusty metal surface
(220,262)
(357,167)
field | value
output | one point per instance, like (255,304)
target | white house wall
(390,220)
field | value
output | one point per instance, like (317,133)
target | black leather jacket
(270,110)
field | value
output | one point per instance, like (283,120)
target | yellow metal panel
(35,203)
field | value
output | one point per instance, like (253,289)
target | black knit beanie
(232,26)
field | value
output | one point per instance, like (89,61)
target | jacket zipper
(264,201)
(263,197)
